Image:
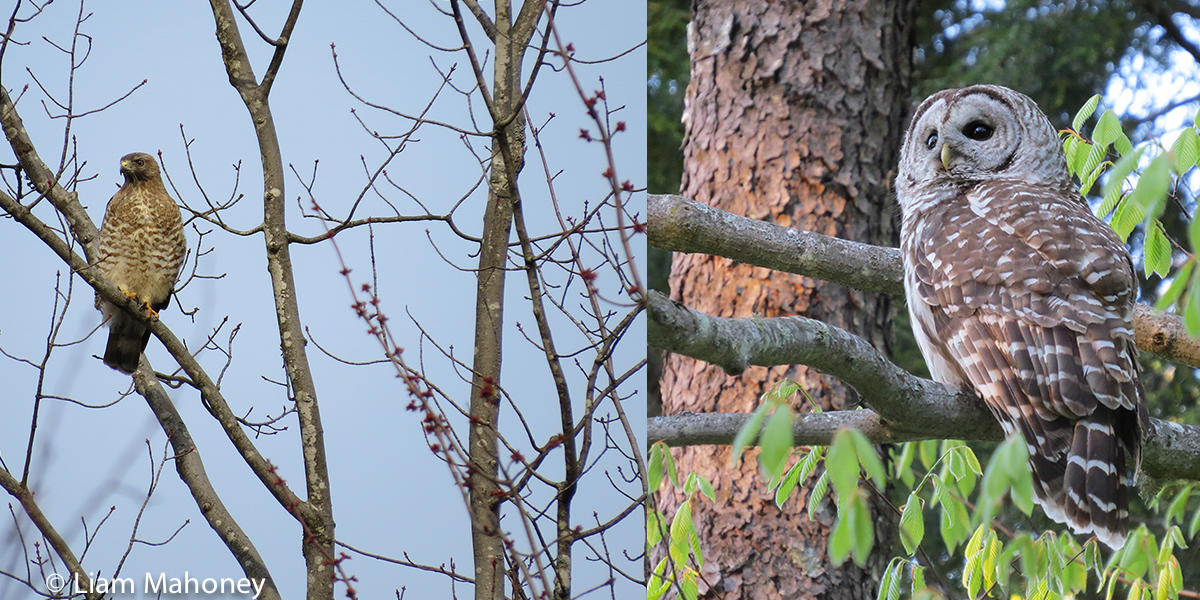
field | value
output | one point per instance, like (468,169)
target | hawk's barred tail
(127,338)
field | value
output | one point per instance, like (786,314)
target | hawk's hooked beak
(125,166)
(947,155)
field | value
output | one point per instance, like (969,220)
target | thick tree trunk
(794,114)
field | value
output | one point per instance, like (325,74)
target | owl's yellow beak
(947,154)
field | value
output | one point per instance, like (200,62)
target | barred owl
(1016,291)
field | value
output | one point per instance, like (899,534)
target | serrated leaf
(1179,504)
(654,528)
(655,468)
(1122,144)
(1127,217)
(1116,181)
(839,541)
(690,586)
(1185,151)
(1176,288)
(868,457)
(1091,161)
(706,487)
(841,463)
(1157,257)
(928,450)
(1150,193)
(1194,526)
(788,485)
(886,583)
(776,442)
(748,433)
(1107,129)
(1070,148)
(918,579)
(1191,312)
(863,529)
(1085,112)
(819,489)
(658,584)
(912,524)
(903,463)
(682,529)
(1089,180)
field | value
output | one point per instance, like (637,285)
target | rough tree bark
(793,114)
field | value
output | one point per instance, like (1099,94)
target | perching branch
(683,225)
(904,407)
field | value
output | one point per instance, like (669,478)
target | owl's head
(960,137)
(139,166)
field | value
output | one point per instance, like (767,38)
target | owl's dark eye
(931,141)
(978,131)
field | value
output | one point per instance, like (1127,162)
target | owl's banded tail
(127,339)
(1088,495)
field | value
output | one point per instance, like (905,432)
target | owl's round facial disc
(961,137)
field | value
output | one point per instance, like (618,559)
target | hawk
(1018,292)
(141,252)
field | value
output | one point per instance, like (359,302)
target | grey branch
(683,225)
(903,407)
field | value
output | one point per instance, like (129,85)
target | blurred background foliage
(1142,55)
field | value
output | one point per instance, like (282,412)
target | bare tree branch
(905,407)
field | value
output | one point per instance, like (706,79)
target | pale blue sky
(390,495)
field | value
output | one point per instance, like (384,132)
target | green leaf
(777,442)
(1116,181)
(912,524)
(1127,217)
(887,582)
(658,584)
(928,452)
(654,528)
(1122,144)
(1178,505)
(868,457)
(841,463)
(1085,112)
(819,489)
(1107,130)
(1157,251)
(1150,193)
(955,523)
(1071,146)
(1185,151)
(682,528)
(903,463)
(690,586)
(706,487)
(839,541)
(656,465)
(1191,312)
(1091,161)
(1194,526)
(863,529)
(748,433)
(788,485)
(1175,290)
(918,579)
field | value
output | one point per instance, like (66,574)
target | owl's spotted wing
(1031,298)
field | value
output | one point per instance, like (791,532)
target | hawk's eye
(978,130)
(931,141)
